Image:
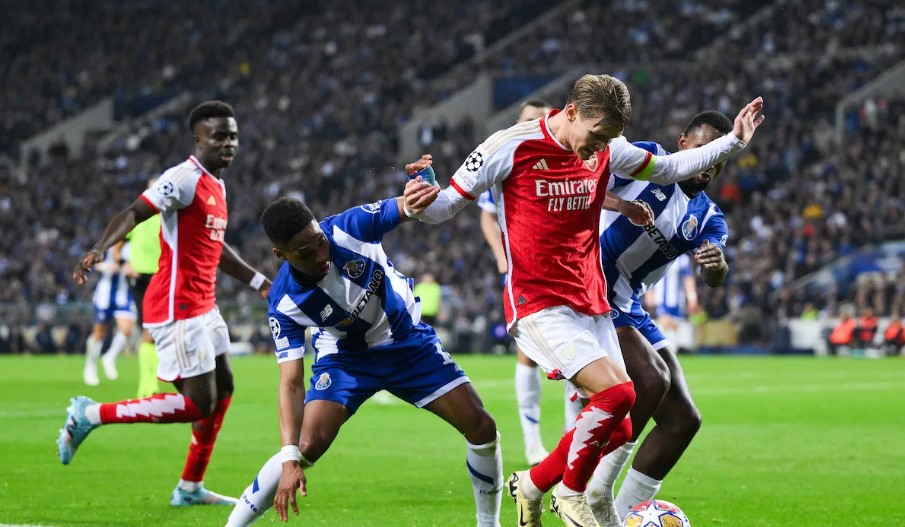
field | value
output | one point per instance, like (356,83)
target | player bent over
(367,337)
(180,308)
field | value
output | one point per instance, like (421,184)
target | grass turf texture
(785,442)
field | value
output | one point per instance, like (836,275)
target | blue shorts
(627,310)
(418,372)
(104,315)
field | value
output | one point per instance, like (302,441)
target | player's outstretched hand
(87,262)
(747,120)
(638,212)
(425,161)
(709,256)
(265,288)
(418,195)
(293,477)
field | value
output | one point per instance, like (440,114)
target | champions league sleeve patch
(474,161)
(166,188)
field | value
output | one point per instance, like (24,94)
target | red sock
(603,427)
(204,434)
(158,408)
(594,430)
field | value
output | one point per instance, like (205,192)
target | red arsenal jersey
(192,204)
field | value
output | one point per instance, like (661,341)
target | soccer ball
(656,513)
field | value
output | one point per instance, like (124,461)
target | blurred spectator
(842,336)
(44,339)
(894,336)
(867,328)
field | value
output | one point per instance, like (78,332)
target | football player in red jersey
(180,305)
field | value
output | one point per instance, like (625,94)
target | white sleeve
(490,163)
(637,163)
(173,191)
(448,203)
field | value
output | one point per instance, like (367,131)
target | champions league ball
(656,513)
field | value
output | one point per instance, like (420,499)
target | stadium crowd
(794,202)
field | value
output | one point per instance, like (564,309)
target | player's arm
(637,211)
(119,226)
(641,164)
(714,267)
(292,413)
(489,164)
(233,265)
(491,230)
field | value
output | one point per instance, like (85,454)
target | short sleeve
(490,163)
(485,201)
(288,336)
(368,223)
(715,231)
(173,191)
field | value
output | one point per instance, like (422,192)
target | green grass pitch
(785,442)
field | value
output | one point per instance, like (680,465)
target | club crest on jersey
(354,268)
(323,382)
(166,189)
(591,163)
(372,208)
(274,327)
(474,161)
(690,227)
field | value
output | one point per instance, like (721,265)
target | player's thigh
(463,409)
(524,359)
(643,363)
(321,425)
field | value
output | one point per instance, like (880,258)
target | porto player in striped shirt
(549,178)
(179,305)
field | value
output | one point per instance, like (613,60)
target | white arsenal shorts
(561,340)
(188,348)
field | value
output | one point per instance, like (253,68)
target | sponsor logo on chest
(373,286)
(566,194)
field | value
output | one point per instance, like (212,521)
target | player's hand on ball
(293,477)
(638,212)
(425,161)
(747,120)
(89,259)
(418,195)
(709,256)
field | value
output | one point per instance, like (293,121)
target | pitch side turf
(785,442)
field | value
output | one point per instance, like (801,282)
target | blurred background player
(527,378)
(144,253)
(180,304)
(112,302)
(430,294)
(672,300)
(549,176)
(367,336)
(634,259)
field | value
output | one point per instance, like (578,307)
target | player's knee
(314,446)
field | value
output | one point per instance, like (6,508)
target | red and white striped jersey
(548,206)
(192,205)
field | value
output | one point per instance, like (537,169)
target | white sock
(190,486)
(93,350)
(116,346)
(528,488)
(485,469)
(527,393)
(636,488)
(604,478)
(572,408)
(93,413)
(258,497)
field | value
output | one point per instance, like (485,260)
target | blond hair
(602,97)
